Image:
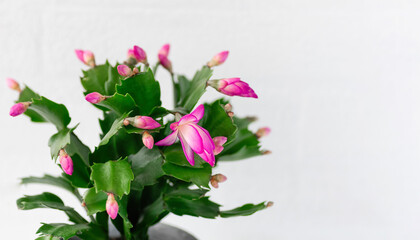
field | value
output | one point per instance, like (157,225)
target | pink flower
(66,162)
(218,142)
(148,140)
(143,122)
(193,137)
(216,179)
(111,206)
(124,70)
(86,57)
(163,57)
(95,97)
(12,84)
(139,54)
(19,108)
(233,87)
(218,59)
(262,132)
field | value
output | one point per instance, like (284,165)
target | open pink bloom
(144,122)
(262,132)
(66,162)
(164,50)
(218,59)
(86,57)
(216,179)
(19,108)
(148,140)
(233,87)
(218,142)
(193,137)
(95,97)
(12,84)
(111,206)
(124,70)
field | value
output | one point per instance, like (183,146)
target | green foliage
(50,180)
(101,79)
(113,177)
(147,167)
(62,230)
(216,120)
(49,200)
(149,183)
(244,210)
(193,89)
(144,89)
(94,201)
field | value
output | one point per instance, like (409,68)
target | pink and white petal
(169,140)
(198,112)
(192,137)
(188,152)
(188,119)
(79,54)
(208,143)
(208,157)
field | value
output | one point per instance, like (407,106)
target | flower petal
(169,140)
(198,112)
(192,137)
(207,141)
(189,154)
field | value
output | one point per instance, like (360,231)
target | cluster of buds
(111,206)
(19,108)
(228,109)
(86,57)
(163,57)
(126,71)
(216,179)
(218,59)
(12,84)
(66,162)
(232,87)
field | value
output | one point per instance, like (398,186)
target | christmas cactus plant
(152,160)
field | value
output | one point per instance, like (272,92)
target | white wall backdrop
(338,81)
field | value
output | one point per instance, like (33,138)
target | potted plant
(152,160)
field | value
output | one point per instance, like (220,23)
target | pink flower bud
(218,143)
(66,162)
(264,131)
(12,84)
(95,97)
(148,140)
(145,122)
(269,204)
(111,206)
(19,108)
(164,50)
(163,57)
(228,107)
(86,57)
(233,87)
(218,59)
(130,53)
(266,152)
(216,179)
(124,70)
(139,54)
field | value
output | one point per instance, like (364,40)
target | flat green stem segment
(113,177)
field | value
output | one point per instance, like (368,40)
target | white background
(338,81)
